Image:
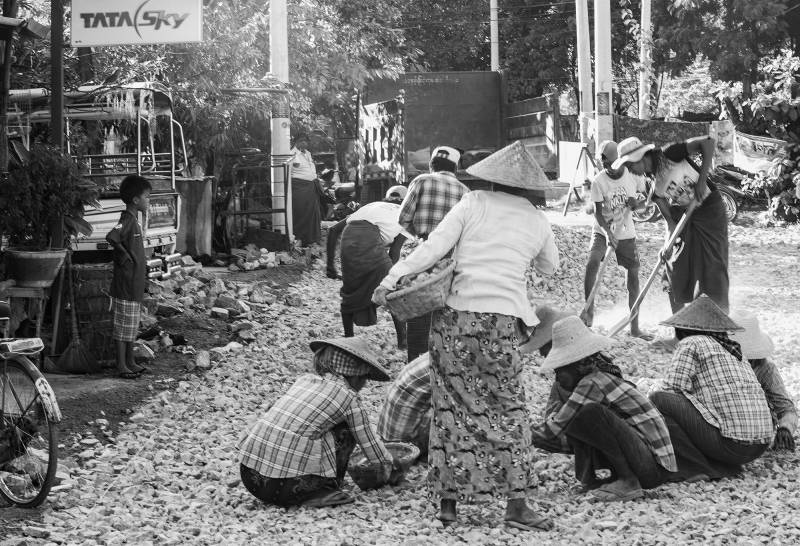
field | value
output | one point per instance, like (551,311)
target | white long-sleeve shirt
(495,236)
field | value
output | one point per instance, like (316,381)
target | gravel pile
(169,476)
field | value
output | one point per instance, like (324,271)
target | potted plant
(41,207)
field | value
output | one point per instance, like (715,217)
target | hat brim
(543,333)
(377,373)
(564,356)
(756,346)
(633,156)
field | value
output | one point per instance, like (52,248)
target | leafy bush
(42,202)
(774,110)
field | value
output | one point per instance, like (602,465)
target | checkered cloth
(626,401)
(335,360)
(724,390)
(408,402)
(294,437)
(784,410)
(430,197)
(126,319)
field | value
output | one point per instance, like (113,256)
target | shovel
(597,282)
(661,261)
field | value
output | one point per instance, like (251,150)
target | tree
(734,34)
(334,47)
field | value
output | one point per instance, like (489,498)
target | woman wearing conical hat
(297,452)
(480,441)
(711,392)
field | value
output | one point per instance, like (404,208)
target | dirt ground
(177,480)
(85,398)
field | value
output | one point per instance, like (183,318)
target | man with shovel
(695,216)
(614,193)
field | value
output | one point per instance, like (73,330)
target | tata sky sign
(130,22)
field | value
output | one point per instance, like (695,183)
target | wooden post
(9,10)
(57,73)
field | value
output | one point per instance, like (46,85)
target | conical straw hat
(513,166)
(754,341)
(704,315)
(359,348)
(573,341)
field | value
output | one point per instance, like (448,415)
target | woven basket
(422,297)
(368,475)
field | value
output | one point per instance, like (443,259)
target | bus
(112,132)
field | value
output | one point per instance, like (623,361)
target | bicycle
(29,415)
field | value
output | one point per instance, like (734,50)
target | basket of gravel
(420,294)
(368,475)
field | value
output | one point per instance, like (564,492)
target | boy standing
(614,196)
(127,286)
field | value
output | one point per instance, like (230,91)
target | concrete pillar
(603,76)
(280,124)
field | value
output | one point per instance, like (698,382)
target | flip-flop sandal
(645,336)
(335,498)
(142,370)
(128,375)
(604,495)
(540,523)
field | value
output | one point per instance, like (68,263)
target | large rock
(226,302)
(190,286)
(204,276)
(220,313)
(216,287)
(166,309)
(263,293)
(203,360)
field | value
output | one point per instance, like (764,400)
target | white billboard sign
(131,22)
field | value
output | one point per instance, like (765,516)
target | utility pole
(646,60)
(494,36)
(583,46)
(279,124)
(603,78)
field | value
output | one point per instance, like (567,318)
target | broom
(75,358)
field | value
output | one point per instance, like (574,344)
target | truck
(401,120)
(112,132)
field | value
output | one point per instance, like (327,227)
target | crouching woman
(606,421)
(297,452)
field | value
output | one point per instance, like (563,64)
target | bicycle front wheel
(28,434)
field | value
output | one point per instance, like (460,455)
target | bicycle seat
(21,346)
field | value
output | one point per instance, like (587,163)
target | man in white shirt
(366,235)
(306,190)
(614,194)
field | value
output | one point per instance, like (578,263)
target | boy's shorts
(126,319)
(627,255)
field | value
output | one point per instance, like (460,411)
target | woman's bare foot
(642,335)
(521,516)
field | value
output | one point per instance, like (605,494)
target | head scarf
(330,359)
(604,363)
(722,338)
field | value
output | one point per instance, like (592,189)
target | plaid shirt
(294,437)
(724,390)
(407,403)
(430,197)
(627,402)
(784,411)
